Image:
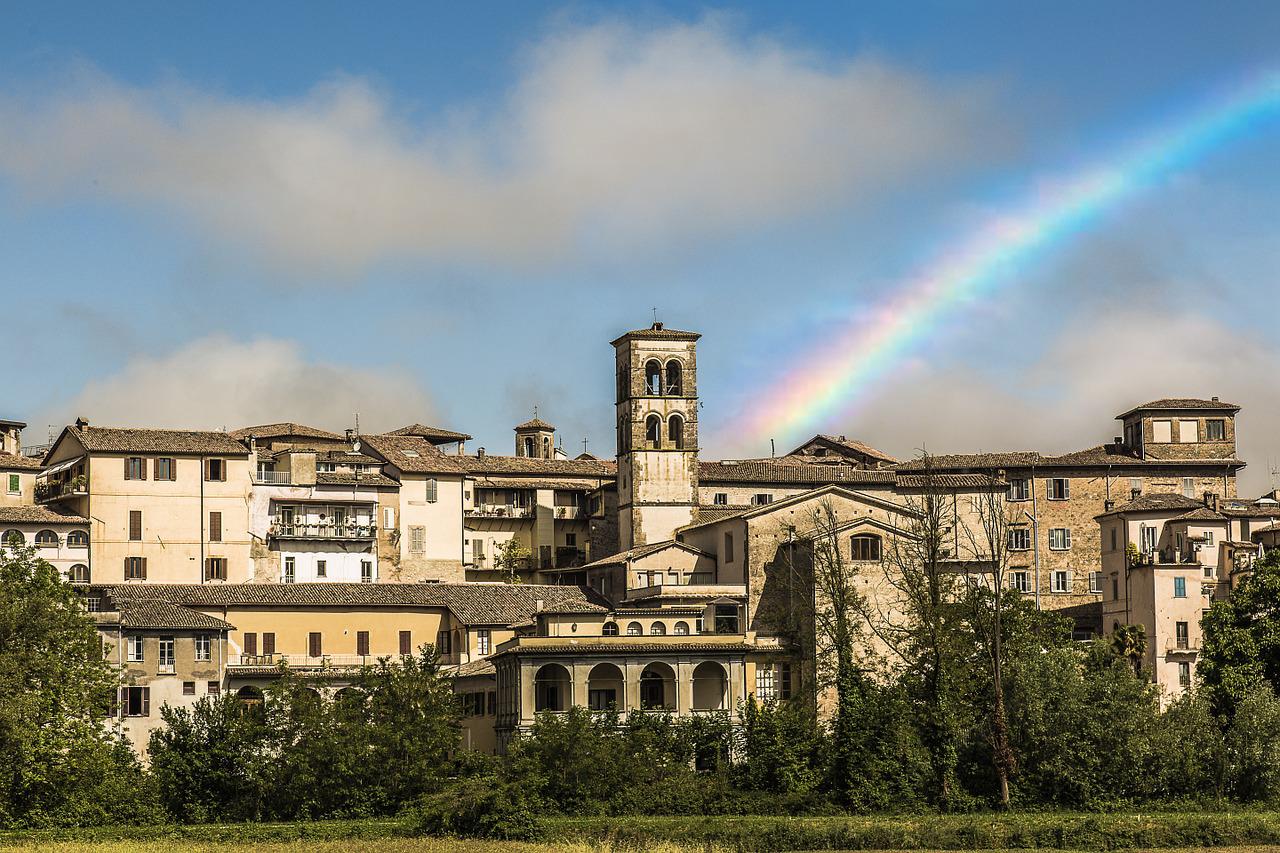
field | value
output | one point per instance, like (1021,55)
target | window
(1208,538)
(1183,634)
(1020,489)
(653,432)
(652,378)
(1019,539)
(204,647)
(47,539)
(675,432)
(1215,430)
(213,688)
(1147,534)
(135,568)
(290,569)
(1135,486)
(1059,538)
(1022,581)
(720,499)
(761,499)
(135,525)
(93,604)
(610,629)
(15,484)
(728,547)
(188,688)
(314,646)
(77,539)
(135,468)
(673,378)
(406,643)
(1115,588)
(322,569)
(681,629)
(215,470)
(133,648)
(1184,673)
(865,547)
(362,643)
(215,527)
(477,550)
(366,571)
(765,683)
(726,618)
(571,540)
(1188,431)
(1179,587)
(634,629)
(432,489)
(1188,487)
(251,644)
(444,643)
(388,517)
(491,706)
(215,569)
(417,539)
(1059,489)
(269,643)
(166,468)
(79,573)
(137,701)
(1060,581)
(1095,582)
(658,629)
(165,657)
(1114,532)
(14,538)
(484,641)
(784,680)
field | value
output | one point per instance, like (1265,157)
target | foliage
(60,764)
(480,807)
(1242,638)
(513,556)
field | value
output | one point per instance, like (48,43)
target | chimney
(537,605)
(1134,494)
(351,435)
(82,422)
(253,444)
(1211,501)
(1214,399)
(1117,440)
(1108,505)
(657,327)
(480,453)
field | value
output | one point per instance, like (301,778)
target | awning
(61,466)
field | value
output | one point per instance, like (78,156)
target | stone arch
(606,687)
(675,378)
(551,688)
(634,629)
(658,687)
(675,432)
(653,377)
(77,539)
(653,431)
(710,683)
(47,539)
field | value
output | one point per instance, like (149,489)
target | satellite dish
(355,445)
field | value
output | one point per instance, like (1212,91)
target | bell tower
(536,438)
(657,409)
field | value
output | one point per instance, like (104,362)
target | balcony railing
(52,490)
(570,557)
(497,511)
(272,478)
(298,530)
(570,512)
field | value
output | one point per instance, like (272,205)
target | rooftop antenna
(535,411)
(357,423)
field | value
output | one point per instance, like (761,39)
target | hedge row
(224,833)
(936,832)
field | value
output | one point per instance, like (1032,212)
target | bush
(480,807)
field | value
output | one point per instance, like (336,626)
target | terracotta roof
(472,603)
(126,440)
(482,667)
(531,483)
(12,461)
(641,551)
(1249,510)
(975,461)
(153,613)
(1155,503)
(841,441)
(786,473)
(413,454)
(1181,404)
(536,423)
(38,515)
(284,429)
(946,481)
(656,332)
(435,435)
(347,457)
(351,478)
(1099,455)
(640,646)
(487,464)
(1201,513)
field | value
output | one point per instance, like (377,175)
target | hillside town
(655,580)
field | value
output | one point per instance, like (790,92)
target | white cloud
(614,136)
(218,382)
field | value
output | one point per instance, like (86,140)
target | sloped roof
(536,423)
(129,440)
(412,454)
(284,429)
(1188,404)
(1201,513)
(946,481)
(38,515)
(14,462)
(656,332)
(472,603)
(476,668)
(840,441)
(980,461)
(435,435)
(1155,503)
(352,478)
(781,472)
(597,468)
(641,551)
(154,613)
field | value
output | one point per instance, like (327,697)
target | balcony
(498,511)
(56,490)
(570,512)
(272,478)
(567,558)
(1179,646)
(298,530)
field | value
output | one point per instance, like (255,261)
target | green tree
(59,763)
(1242,638)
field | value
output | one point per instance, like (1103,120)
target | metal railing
(323,531)
(273,478)
(497,511)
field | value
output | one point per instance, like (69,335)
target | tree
(59,763)
(1242,638)
(513,557)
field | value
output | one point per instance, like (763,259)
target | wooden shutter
(313,643)
(144,567)
(362,643)
(215,527)
(406,642)
(135,525)
(268,643)
(251,644)
(146,701)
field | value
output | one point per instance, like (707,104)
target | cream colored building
(60,538)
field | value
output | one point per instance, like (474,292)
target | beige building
(17,472)
(59,537)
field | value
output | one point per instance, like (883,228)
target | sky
(226,214)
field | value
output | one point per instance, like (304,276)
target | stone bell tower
(536,438)
(657,409)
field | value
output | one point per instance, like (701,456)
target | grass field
(436,845)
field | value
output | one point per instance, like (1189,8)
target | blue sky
(233,213)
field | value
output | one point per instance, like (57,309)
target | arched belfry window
(528,446)
(653,431)
(675,431)
(653,377)
(674,371)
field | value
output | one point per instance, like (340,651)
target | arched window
(681,629)
(675,431)
(546,448)
(653,378)
(528,446)
(610,629)
(653,431)
(551,688)
(47,539)
(250,698)
(13,538)
(624,436)
(865,546)
(79,573)
(658,629)
(77,539)
(635,629)
(674,378)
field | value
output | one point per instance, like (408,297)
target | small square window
(1215,430)
(1060,582)
(721,499)
(1059,538)
(213,688)
(188,688)
(1019,539)
(1020,489)
(1095,582)
(1059,489)
(1022,581)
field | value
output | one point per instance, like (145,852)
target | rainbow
(833,377)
